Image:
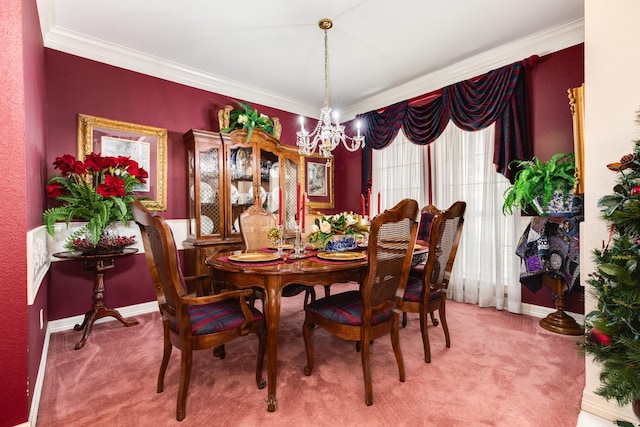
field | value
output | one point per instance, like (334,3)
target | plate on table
(341,256)
(254,257)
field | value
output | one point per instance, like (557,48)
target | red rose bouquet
(98,190)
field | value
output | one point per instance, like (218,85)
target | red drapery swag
(498,96)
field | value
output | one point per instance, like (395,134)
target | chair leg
(404,319)
(262,347)
(186,362)
(425,334)
(219,352)
(395,343)
(166,355)
(309,296)
(327,291)
(306,334)
(433,319)
(443,319)
(366,371)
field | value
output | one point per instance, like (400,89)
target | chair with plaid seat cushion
(371,312)
(192,322)
(428,293)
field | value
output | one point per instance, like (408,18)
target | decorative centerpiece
(336,233)
(247,118)
(98,190)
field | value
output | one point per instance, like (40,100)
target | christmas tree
(612,332)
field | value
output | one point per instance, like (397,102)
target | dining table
(271,273)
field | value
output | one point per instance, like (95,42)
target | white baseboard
(540,312)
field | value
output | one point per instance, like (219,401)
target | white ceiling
(271,52)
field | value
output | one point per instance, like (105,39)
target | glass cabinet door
(241,167)
(210,202)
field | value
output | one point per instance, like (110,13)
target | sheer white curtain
(399,172)
(486,271)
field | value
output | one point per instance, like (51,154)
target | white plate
(235,194)
(274,199)
(206,225)
(206,193)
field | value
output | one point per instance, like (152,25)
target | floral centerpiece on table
(98,190)
(324,230)
(248,118)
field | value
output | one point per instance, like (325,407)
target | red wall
(552,127)
(22,136)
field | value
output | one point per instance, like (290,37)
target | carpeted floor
(502,370)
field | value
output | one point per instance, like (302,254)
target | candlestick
(378,202)
(302,123)
(364,213)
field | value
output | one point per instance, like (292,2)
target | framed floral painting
(145,144)
(317,175)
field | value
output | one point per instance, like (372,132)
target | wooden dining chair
(192,322)
(255,223)
(427,293)
(371,312)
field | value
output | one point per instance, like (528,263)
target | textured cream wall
(612,97)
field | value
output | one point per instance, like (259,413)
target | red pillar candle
(280,204)
(298,203)
(378,202)
(303,209)
(364,213)
(369,202)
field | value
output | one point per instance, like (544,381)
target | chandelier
(326,136)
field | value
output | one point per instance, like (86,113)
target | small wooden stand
(99,263)
(559,321)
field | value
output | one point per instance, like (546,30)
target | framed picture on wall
(317,176)
(146,145)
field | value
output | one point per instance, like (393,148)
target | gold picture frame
(576,103)
(145,144)
(318,186)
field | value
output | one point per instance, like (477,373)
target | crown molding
(540,44)
(80,45)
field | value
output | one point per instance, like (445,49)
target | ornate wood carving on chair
(371,312)
(428,293)
(255,223)
(192,322)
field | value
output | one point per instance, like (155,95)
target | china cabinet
(228,173)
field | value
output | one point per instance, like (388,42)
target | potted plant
(547,186)
(98,190)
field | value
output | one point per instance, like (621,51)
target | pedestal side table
(99,263)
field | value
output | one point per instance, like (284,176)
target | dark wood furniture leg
(98,311)
(559,321)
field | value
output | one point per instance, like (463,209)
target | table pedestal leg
(559,321)
(98,311)
(272,318)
